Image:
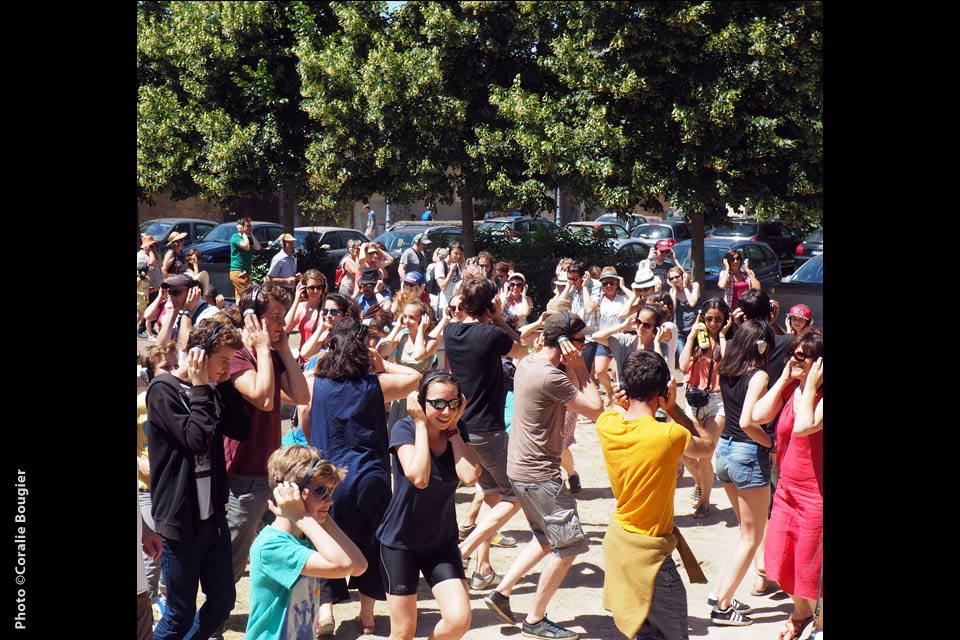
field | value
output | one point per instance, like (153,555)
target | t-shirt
(536,440)
(249,457)
(608,315)
(660,271)
(410,508)
(440,272)
(641,458)
(283,266)
(283,603)
(473,350)
(412,261)
(240,259)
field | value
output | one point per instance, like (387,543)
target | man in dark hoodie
(189,411)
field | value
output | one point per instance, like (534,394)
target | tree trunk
(466,217)
(696,247)
(288,198)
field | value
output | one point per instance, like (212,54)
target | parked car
(216,251)
(161,228)
(333,239)
(811,246)
(763,261)
(665,230)
(400,238)
(804,286)
(633,250)
(627,220)
(612,231)
(781,238)
(514,226)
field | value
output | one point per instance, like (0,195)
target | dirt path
(577,604)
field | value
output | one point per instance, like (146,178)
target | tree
(218,100)
(705,105)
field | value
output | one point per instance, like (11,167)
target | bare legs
(701,469)
(554,571)
(600,365)
(455,614)
(493,515)
(750,505)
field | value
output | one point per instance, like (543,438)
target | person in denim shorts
(543,395)
(742,461)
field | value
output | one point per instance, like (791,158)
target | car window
(334,239)
(625,254)
(620,232)
(267,233)
(202,229)
(681,232)
(446,237)
(352,235)
(184,227)
(652,232)
(222,233)
(735,230)
(785,231)
(755,254)
(496,226)
(156,229)
(815,236)
(810,271)
(770,255)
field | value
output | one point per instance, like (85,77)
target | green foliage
(536,255)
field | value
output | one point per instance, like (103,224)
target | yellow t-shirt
(144,481)
(641,457)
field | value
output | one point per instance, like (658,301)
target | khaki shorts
(551,511)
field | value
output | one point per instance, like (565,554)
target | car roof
(325,229)
(152,220)
(509,218)
(722,242)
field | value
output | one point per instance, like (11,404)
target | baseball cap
(421,237)
(799,311)
(413,277)
(663,245)
(563,324)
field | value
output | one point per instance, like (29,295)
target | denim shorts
(551,511)
(714,407)
(745,464)
(603,350)
(491,452)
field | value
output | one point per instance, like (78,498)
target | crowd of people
(402,397)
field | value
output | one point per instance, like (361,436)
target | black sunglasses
(321,491)
(800,356)
(315,288)
(440,404)
(645,325)
(331,312)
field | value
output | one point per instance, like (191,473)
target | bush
(536,256)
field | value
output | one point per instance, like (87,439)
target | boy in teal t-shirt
(284,566)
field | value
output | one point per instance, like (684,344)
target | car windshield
(156,229)
(810,271)
(742,229)
(496,226)
(815,236)
(300,238)
(652,231)
(397,240)
(223,233)
(712,257)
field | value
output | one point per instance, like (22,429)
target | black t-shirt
(734,391)
(420,519)
(775,367)
(474,350)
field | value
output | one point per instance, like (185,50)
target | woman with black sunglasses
(514,299)
(735,278)
(304,313)
(701,366)
(418,533)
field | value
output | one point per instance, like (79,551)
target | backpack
(431,287)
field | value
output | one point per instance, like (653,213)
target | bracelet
(452,432)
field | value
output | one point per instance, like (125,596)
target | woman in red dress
(794,548)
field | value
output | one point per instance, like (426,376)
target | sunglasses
(674,277)
(645,325)
(511,285)
(453,309)
(315,288)
(713,319)
(175,292)
(322,491)
(609,283)
(738,259)
(330,312)
(800,356)
(440,405)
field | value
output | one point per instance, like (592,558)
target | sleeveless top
(685,316)
(178,266)
(734,392)
(307,326)
(348,281)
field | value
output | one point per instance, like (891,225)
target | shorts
(714,407)
(491,452)
(745,464)
(551,511)
(401,568)
(603,350)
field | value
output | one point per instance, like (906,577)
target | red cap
(663,245)
(799,311)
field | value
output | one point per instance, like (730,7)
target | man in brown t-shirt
(542,392)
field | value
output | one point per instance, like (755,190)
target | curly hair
(227,337)
(348,356)
(348,308)
(262,295)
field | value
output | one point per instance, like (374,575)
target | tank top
(734,391)
(348,281)
(685,316)
(307,326)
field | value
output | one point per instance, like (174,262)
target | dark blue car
(762,260)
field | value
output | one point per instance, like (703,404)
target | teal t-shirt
(284,605)
(240,259)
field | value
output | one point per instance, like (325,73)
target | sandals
(793,628)
(366,629)
(702,512)
(763,587)
(325,627)
(695,498)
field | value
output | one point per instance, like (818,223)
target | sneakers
(736,604)
(500,605)
(548,630)
(160,607)
(574,482)
(141,335)
(465,531)
(500,540)
(481,582)
(729,617)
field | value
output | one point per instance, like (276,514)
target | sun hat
(147,241)
(643,279)
(609,272)
(176,235)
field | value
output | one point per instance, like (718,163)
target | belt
(747,441)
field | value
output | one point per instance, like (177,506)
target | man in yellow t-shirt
(641,456)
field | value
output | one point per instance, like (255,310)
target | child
(301,545)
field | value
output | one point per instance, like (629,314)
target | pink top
(307,325)
(801,458)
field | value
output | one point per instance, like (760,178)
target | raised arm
(415,458)
(751,427)
(808,418)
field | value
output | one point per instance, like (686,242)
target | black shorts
(401,569)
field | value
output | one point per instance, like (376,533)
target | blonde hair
(291,464)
